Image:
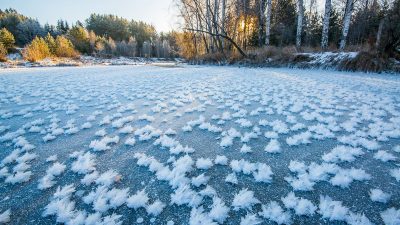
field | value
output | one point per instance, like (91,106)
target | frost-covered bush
(64,48)
(37,50)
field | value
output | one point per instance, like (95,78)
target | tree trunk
(300,16)
(325,24)
(216,24)
(346,23)
(216,16)
(268,22)
(379,34)
(260,22)
(223,8)
(244,40)
(209,26)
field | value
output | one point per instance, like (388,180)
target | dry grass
(368,59)
(3,53)
(366,62)
(216,57)
(359,48)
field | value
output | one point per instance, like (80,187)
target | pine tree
(51,43)
(6,38)
(79,37)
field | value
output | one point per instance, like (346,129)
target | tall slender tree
(223,19)
(268,22)
(300,16)
(346,23)
(325,24)
(209,26)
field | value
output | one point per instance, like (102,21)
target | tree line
(100,35)
(225,26)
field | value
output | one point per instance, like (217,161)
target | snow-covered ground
(198,145)
(15,60)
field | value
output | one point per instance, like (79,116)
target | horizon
(159,13)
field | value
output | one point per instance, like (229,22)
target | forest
(222,31)
(99,35)
(222,26)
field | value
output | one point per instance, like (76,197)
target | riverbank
(18,62)
(340,61)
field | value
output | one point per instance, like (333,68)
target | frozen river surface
(198,145)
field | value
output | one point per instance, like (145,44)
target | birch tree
(300,16)
(223,11)
(325,24)
(346,23)
(261,15)
(379,33)
(209,26)
(268,22)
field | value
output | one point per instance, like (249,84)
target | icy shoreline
(327,61)
(18,62)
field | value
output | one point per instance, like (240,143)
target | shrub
(37,50)
(51,43)
(64,48)
(216,57)
(366,62)
(261,55)
(3,53)
(6,38)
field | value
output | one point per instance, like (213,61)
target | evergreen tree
(28,30)
(7,39)
(283,30)
(51,43)
(62,27)
(79,37)
(10,19)
(51,29)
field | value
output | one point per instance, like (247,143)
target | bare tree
(261,7)
(268,21)
(379,33)
(209,27)
(300,16)
(325,24)
(346,23)
(223,19)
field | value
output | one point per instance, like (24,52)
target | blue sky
(160,13)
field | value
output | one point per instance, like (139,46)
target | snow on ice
(198,145)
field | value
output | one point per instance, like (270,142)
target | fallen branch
(223,36)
